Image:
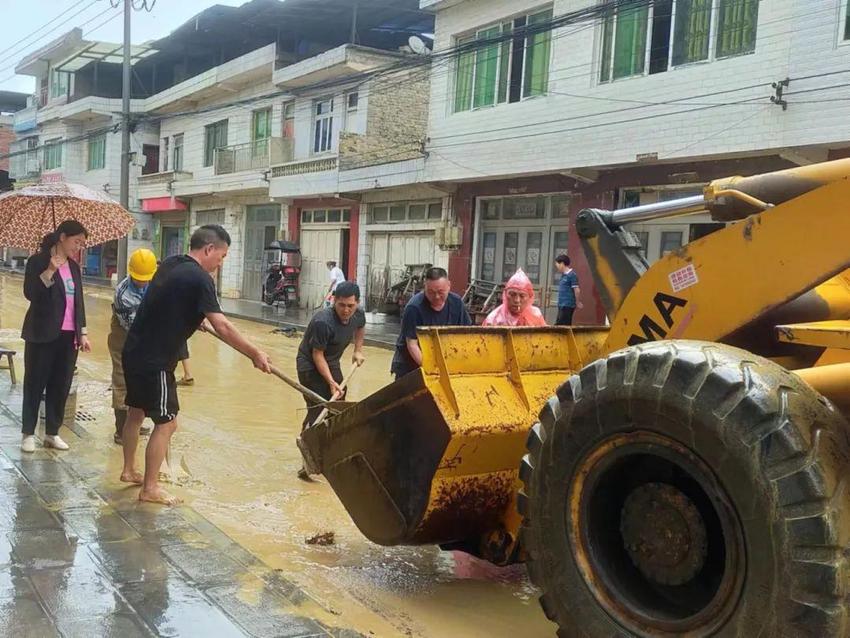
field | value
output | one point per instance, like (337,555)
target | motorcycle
(284,269)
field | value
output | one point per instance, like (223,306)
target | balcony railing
(253,156)
(25,119)
(164,178)
(305,166)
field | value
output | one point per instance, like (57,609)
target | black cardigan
(43,321)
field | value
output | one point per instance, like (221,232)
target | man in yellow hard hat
(128,296)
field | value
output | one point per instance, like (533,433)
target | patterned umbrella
(28,214)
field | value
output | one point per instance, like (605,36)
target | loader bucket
(433,458)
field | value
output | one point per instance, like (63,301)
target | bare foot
(159,496)
(135,477)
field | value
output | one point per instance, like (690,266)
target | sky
(29,25)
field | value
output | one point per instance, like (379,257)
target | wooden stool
(10,360)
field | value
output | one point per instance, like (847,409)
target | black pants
(565,316)
(48,367)
(314,381)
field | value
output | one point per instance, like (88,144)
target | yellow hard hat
(142,265)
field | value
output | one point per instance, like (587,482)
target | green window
(52,155)
(624,43)
(675,32)
(537,52)
(691,31)
(261,131)
(736,27)
(463,77)
(486,69)
(215,136)
(177,162)
(505,70)
(97,152)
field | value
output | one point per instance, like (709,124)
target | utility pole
(125,138)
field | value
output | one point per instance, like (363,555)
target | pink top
(70,287)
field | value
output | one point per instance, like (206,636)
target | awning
(102,52)
(163,205)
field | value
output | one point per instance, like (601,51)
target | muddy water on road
(236,439)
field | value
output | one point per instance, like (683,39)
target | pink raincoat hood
(530,314)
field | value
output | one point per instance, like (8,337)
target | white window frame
(166,149)
(284,118)
(56,84)
(843,7)
(308,217)
(407,205)
(317,146)
(58,143)
(175,165)
(91,141)
(473,35)
(712,44)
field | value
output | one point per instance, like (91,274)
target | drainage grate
(84,416)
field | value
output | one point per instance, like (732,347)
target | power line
(47,24)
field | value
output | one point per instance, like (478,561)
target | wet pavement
(81,557)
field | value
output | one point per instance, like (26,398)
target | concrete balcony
(160,184)
(221,81)
(258,155)
(348,59)
(304,178)
(25,120)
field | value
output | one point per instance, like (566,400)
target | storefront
(171,225)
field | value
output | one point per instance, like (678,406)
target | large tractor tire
(689,488)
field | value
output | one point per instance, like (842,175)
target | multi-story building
(254,143)
(337,124)
(545,116)
(213,112)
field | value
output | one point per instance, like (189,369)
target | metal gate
(261,227)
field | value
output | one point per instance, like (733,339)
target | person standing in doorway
(436,305)
(54,331)
(569,294)
(336,278)
(180,297)
(125,304)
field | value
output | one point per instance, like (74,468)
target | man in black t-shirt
(328,334)
(436,305)
(178,300)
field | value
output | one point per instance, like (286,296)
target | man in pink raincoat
(517,308)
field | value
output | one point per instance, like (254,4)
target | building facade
(538,116)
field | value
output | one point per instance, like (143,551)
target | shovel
(310,464)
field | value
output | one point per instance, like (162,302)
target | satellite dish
(417,45)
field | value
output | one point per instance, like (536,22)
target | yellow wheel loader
(681,472)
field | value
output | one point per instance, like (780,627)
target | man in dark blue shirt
(434,306)
(569,294)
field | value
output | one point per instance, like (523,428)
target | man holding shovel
(328,334)
(179,298)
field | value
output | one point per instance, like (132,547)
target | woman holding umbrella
(54,330)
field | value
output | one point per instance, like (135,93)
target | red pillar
(460,260)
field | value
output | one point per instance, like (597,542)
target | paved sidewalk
(81,557)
